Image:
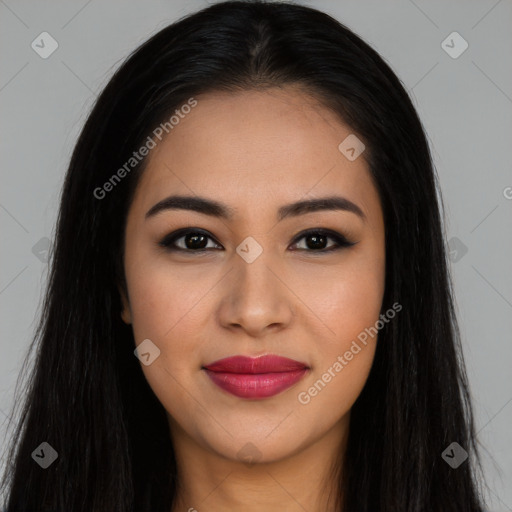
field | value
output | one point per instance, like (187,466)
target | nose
(256,298)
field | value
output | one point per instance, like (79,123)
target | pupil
(194,239)
(318,241)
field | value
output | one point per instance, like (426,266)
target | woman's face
(260,285)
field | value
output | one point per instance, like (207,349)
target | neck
(305,480)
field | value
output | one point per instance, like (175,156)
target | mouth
(255,377)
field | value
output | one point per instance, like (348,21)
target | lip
(255,377)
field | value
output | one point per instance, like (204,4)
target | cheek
(163,299)
(160,308)
(358,300)
(347,299)
(165,310)
(349,303)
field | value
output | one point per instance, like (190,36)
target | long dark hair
(87,396)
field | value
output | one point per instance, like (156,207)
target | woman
(249,305)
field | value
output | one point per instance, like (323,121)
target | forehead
(256,148)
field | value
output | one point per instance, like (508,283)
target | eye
(196,240)
(316,240)
(193,240)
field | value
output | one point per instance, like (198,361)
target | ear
(126,313)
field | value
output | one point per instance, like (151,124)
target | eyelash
(340,241)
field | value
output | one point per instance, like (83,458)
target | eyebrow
(216,209)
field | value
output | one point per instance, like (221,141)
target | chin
(255,449)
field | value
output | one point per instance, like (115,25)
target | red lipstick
(255,377)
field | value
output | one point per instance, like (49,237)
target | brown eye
(195,241)
(317,240)
(188,240)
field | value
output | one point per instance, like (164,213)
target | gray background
(465,104)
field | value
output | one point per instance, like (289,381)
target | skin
(255,151)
